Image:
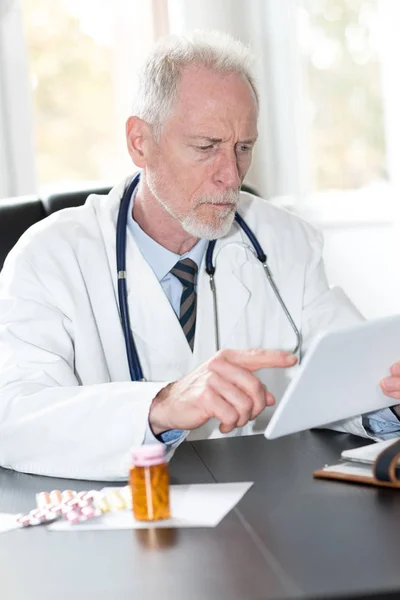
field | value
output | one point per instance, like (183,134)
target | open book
(375,464)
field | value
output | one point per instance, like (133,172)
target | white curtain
(390,52)
(17,171)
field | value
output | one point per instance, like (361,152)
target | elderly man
(93,362)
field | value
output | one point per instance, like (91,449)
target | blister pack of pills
(75,507)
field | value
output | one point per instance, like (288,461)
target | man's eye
(204,148)
(244,148)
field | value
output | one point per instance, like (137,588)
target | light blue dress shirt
(162,260)
(382,423)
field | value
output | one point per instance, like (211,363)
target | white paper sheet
(198,505)
(7,522)
(367,454)
(350,468)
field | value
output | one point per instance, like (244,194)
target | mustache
(229,197)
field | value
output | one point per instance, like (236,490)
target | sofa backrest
(18,214)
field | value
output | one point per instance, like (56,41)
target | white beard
(210,231)
(195,226)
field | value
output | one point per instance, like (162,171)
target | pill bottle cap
(148,455)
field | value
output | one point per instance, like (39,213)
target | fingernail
(270,399)
(395,369)
(290,358)
(388,384)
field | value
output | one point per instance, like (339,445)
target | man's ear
(138,134)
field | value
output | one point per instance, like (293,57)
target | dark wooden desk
(219,563)
(328,538)
(289,537)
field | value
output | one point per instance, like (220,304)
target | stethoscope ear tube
(299,337)
(254,241)
(210,269)
(135,369)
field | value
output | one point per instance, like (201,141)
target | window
(339,43)
(83,58)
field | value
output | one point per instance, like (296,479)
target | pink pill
(81,495)
(65,509)
(72,502)
(88,512)
(54,508)
(72,516)
(89,496)
(42,516)
(24,520)
(50,516)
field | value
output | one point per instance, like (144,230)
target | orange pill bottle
(149,483)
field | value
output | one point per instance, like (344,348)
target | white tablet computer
(339,377)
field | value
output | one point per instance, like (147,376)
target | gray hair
(159,78)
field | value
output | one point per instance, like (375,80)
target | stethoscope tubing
(135,368)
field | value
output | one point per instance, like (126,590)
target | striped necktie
(186,270)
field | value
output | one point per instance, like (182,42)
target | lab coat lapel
(158,335)
(152,316)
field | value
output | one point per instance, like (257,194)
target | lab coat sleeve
(49,423)
(326,308)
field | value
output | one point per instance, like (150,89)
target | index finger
(395,369)
(259,358)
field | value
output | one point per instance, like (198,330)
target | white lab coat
(67,405)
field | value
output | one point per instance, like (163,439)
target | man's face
(205,150)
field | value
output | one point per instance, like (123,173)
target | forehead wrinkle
(206,93)
(218,128)
(206,138)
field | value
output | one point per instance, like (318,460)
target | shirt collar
(160,259)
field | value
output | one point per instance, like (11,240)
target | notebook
(375,464)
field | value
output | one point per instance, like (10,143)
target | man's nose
(228,172)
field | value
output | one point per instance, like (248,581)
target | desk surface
(326,537)
(290,536)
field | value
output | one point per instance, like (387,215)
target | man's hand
(391,385)
(224,387)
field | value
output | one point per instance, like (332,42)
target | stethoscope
(135,368)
